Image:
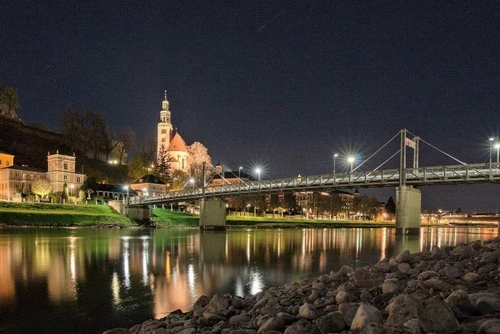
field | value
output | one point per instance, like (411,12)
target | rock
(391,286)
(486,303)
(307,311)
(348,311)
(217,304)
(436,317)
(412,326)
(295,329)
(491,257)
(365,315)
(437,284)
(491,326)
(451,272)
(117,331)
(239,319)
(346,271)
(345,296)
(459,303)
(331,322)
(402,308)
(462,250)
(364,278)
(277,323)
(151,325)
(201,301)
(403,256)
(404,268)
(471,278)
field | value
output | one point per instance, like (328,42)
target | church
(171,141)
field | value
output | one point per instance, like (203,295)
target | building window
(0,162)
(77,179)
(65,166)
(65,177)
(7,163)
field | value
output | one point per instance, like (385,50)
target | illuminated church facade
(171,140)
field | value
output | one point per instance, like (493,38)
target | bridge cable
(371,156)
(448,155)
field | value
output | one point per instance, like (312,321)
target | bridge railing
(472,173)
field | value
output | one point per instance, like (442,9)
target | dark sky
(282,84)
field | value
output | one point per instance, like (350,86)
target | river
(89,280)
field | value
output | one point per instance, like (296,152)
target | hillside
(31,145)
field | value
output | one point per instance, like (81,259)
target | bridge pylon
(408,198)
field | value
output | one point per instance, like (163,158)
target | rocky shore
(445,290)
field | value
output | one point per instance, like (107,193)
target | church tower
(164,127)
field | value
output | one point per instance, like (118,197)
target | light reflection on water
(89,280)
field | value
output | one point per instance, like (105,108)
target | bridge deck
(422,176)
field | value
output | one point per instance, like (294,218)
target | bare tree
(72,125)
(41,187)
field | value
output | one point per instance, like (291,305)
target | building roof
(5,153)
(26,168)
(149,179)
(177,144)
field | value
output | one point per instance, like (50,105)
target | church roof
(177,144)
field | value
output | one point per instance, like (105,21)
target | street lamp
(351,160)
(191,180)
(239,172)
(334,160)
(497,146)
(258,170)
(126,201)
(71,189)
(491,143)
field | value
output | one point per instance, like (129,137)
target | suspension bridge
(406,180)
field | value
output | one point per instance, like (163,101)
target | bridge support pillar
(408,208)
(212,214)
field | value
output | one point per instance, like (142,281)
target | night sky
(284,85)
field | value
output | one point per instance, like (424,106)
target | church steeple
(165,112)
(164,126)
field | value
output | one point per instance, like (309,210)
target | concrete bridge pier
(408,208)
(212,214)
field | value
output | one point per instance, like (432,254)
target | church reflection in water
(149,273)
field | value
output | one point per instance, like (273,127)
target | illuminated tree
(41,187)
(198,154)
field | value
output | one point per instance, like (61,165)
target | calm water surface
(90,280)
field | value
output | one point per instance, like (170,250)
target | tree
(10,99)
(179,179)
(162,167)
(41,187)
(127,138)
(198,154)
(390,206)
(96,133)
(73,130)
(138,166)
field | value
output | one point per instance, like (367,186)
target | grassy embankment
(165,219)
(64,215)
(60,215)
